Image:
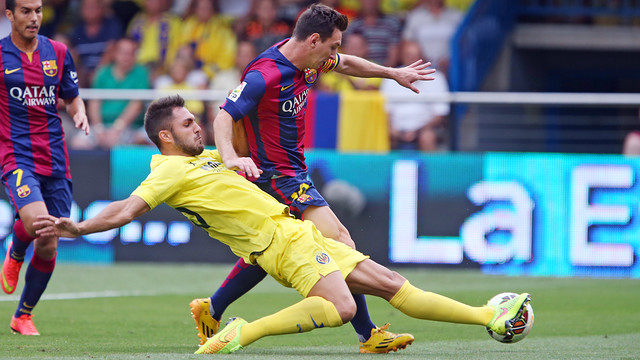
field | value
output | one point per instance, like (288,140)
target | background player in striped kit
(36,71)
(270,104)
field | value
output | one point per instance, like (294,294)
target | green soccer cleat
(505,314)
(226,341)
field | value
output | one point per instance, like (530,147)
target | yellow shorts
(299,255)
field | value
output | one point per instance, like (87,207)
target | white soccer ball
(521,326)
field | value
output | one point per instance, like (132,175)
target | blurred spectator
(229,79)
(159,34)
(350,12)
(415,124)
(432,25)
(264,28)
(125,10)
(210,36)
(462,5)
(115,122)
(236,9)
(183,76)
(53,12)
(632,142)
(93,38)
(289,10)
(226,81)
(383,32)
(5,24)
(353,44)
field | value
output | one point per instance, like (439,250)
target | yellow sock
(430,306)
(310,313)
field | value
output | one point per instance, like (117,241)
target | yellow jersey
(230,208)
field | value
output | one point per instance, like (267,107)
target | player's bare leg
(371,339)
(39,270)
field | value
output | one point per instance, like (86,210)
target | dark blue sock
(242,278)
(21,241)
(361,322)
(38,274)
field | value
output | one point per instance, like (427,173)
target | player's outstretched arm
(224,135)
(114,215)
(405,76)
(75,107)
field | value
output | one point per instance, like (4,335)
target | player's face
(26,19)
(186,132)
(325,50)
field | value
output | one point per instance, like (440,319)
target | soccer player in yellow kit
(259,229)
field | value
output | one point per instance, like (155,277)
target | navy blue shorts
(24,187)
(296,192)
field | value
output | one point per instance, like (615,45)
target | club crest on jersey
(50,68)
(310,75)
(322,258)
(304,198)
(23,191)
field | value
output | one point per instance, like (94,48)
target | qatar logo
(310,75)
(322,258)
(50,68)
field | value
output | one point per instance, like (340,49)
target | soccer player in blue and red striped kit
(36,71)
(270,106)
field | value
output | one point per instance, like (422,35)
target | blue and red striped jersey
(272,102)
(31,134)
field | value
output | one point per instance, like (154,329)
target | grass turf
(140,311)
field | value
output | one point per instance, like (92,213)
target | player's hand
(245,165)
(407,75)
(81,122)
(47,225)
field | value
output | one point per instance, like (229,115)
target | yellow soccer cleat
(505,314)
(226,341)
(206,325)
(383,341)
(23,325)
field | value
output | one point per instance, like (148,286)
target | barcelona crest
(304,198)
(310,75)
(23,191)
(322,258)
(50,68)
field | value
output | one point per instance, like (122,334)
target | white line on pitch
(84,295)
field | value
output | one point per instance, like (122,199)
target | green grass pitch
(140,311)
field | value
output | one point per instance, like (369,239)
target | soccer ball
(520,328)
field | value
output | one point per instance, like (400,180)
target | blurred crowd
(205,44)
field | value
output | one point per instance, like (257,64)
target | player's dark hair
(320,19)
(158,116)
(10,5)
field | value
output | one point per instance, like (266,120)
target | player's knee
(46,246)
(345,237)
(346,309)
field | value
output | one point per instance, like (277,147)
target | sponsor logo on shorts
(322,258)
(23,191)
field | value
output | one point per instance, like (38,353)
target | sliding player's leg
(372,278)
(207,312)
(371,339)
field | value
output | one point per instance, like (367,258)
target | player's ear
(9,14)
(314,40)
(165,136)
